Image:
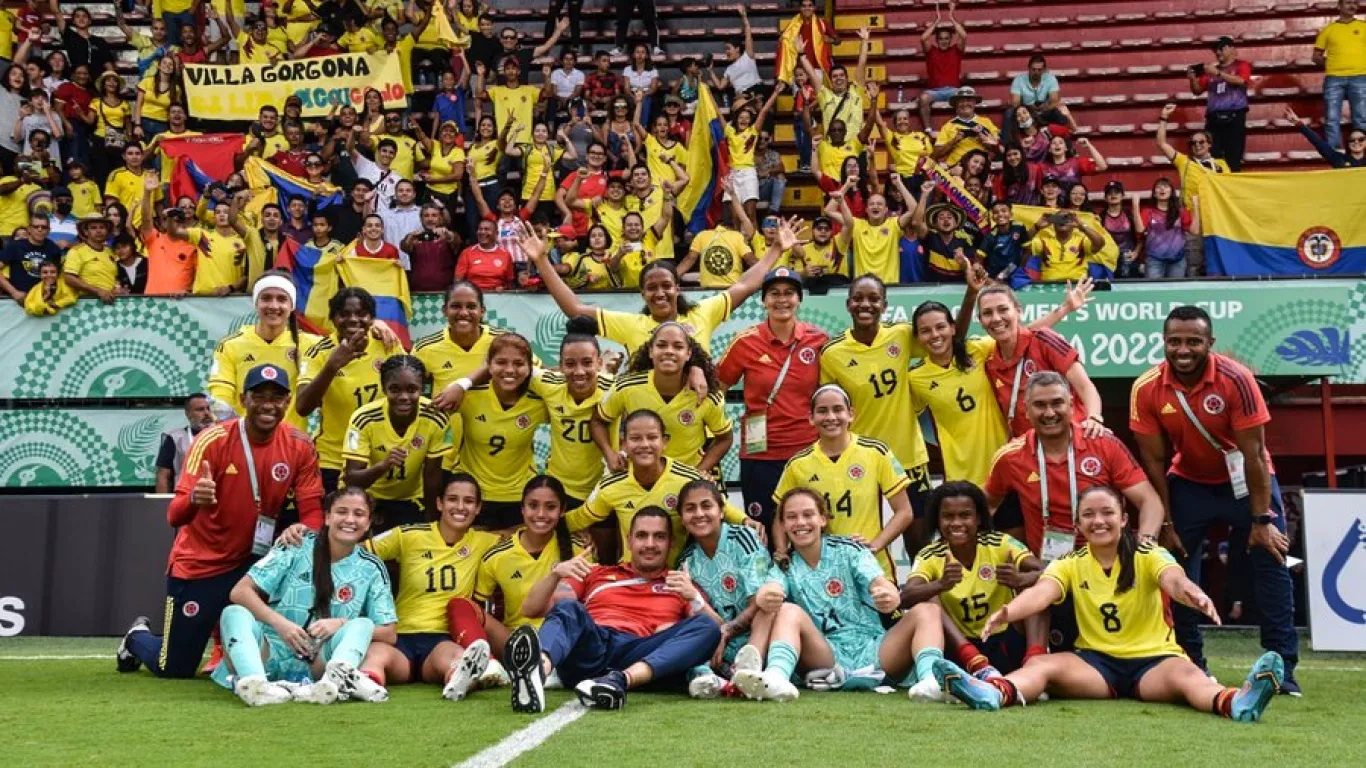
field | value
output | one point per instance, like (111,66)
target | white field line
(526,739)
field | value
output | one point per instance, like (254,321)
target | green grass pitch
(81,712)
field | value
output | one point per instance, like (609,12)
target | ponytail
(563,542)
(322,575)
(294,337)
(1128,546)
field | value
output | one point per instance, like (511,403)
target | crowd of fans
(594,157)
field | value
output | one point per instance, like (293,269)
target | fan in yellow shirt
(873,244)
(126,183)
(905,145)
(539,158)
(222,266)
(89,267)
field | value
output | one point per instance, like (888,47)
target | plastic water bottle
(901,94)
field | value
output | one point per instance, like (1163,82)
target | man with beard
(175,443)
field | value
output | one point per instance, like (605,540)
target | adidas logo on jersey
(852,364)
(1167,409)
(559,409)
(232,469)
(814,479)
(516,574)
(630,505)
(249,359)
(480,417)
(1086,586)
(764,358)
(934,385)
(427,555)
(447,366)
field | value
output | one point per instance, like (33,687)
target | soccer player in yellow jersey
(951,381)
(395,446)
(572,395)
(660,287)
(438,562)
(459,349)
(1127,646)
(340,374)
(854,474)
(499,422)
(658,382)
(649,479)
(873,244)
(973,571)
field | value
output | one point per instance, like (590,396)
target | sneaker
(471,665)
(124,659)
(926,690)
(748,657)
(1289,686)
(1263,681)
(966,688)
(706,686)
(322,691)
(494,676)
(606,692)
(987,672)
(523,654)
(257,691)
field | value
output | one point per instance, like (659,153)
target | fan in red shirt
(943,62)
(612,627)
(486,264)
(1067,454)
(777,420)
(371,242)
(236,480)
(592,184)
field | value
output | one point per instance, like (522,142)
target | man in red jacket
(232,488)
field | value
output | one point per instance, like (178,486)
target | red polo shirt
(1102,461)
(593,186)
(1041,350)
(1225,400)
(617,597)
(757,357)
(489,269)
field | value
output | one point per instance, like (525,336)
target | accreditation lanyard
(1234,461)
(1071,482)
(756,424)
(264,534)
(1015,392)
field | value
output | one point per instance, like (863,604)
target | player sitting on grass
(729,564)
(303,616)
(612,627)
(832,628)
(974,570)
(1125,647)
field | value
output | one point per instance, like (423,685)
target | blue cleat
(966,688)
(1263,681)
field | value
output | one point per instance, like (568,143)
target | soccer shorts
(417,646)
(1122,675)
(1004,650)
(857,654)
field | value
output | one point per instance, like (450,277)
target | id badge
(756,433)
(1237,473)
(1056,544)
(264,536)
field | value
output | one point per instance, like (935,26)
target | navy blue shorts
(1004,650)
(417,646)
(1122,675)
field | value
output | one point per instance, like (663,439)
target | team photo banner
(238,91)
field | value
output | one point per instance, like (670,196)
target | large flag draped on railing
(708,162)
(1307,223)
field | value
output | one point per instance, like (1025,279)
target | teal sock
(783,658)
(924,663)
(242,638)
(699,671)
(351,642)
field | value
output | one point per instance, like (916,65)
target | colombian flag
(387,282)
(271,184)
(1308,223)
(708,162)
(815,43)
(316,280)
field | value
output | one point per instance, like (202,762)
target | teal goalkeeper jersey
(835,593)
(360,584)
(731,578)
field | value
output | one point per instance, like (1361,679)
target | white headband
(275,281)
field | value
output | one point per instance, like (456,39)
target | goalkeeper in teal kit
(728,563)
(304,615)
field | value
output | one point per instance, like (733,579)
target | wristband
(697,603)
(465,383)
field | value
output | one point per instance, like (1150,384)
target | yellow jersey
(1132,625)
(509,567)
(949,130)
(650,208)
(1193,174)
(99,268)
(721,256)
(354,386)
(970,424)
(443,164)
(632,330)
(222,259)
(816,255)
(127,187)
(574,458)
(497,443)
(431,572)
(830,158)
(371,435)
(874,249)
(610,216)
(979,594)
(853,484)
(741,144)
(85,198)
(906,149)
(244,349)
(483,159)
(253,52)
(686,423)
(874,376)
(515,103)
(155,104)
(536,161)
(363,40)
(1060,261)
(1344,46)
(621,494)
(407,153)
(447,361)
(586,272)
(657,158)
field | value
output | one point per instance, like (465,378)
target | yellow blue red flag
(708,162)
(387,282)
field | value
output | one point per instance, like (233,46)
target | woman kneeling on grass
(1125,647)
(303,616)
(833,626)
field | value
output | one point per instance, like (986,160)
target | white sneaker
(495,676)
(554,683)
(257,691)
(777,687)
(926,690)
(366,689)
(468,669)
(322,691)
(748,657)
(706,686)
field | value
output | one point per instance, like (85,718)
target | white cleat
(322,691)
(495,676)
(706,686)
(257,691)
(769,685)
(472,664)
(366,689)
(926,690)
(748,658)
(348,681)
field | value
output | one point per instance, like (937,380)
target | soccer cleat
(966,688)
(749,682)
(322,691)
(606,692)
(748,657)
(1263,681)
(987,672)
(364,688)
(257,691)
(124,658)
(926,690)
(471,665)
(494,676)
(769,685)
(831,679)
(706,686)
(523,656)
